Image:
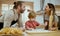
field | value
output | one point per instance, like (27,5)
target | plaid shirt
(31,24)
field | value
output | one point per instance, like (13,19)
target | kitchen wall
(37,3)
(26,0)
(55,2)
(10,2)
(57,10)
(0,6)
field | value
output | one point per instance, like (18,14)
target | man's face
(22,8)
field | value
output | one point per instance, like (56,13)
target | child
(31,23)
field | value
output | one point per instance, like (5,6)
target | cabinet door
(59,23)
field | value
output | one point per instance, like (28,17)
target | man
(13,16)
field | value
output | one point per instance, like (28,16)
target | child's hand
(31,28)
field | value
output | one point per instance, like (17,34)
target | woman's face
(47,9)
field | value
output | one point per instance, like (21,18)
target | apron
(13,22)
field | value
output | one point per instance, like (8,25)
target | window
(6,7)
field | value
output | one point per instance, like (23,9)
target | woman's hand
(45,23)
(52,29)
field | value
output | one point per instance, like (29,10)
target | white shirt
(9,16)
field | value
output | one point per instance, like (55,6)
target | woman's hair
(17,4)
(52,7)
(32,14)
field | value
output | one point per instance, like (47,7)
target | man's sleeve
(8,18)
(20,24)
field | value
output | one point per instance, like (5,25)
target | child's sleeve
(37,24)
(26,25)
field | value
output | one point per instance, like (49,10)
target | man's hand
(0,14)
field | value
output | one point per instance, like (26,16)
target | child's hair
(32,14)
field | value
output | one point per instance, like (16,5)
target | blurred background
(36,5)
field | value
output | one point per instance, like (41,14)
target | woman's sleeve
(56,19)
(37,24)
(8,18)
(40,13)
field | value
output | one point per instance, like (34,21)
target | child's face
(32,19)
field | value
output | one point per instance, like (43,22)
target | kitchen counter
(41,32)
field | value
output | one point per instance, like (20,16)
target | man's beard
(22,11)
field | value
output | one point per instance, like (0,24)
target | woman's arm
(40,13)
(54,27)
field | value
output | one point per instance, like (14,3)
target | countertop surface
(40,31)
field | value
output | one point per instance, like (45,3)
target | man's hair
(17,4)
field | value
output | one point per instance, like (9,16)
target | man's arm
(20,24)
(8,18)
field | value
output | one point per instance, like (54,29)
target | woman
(13,16)
(50,7)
